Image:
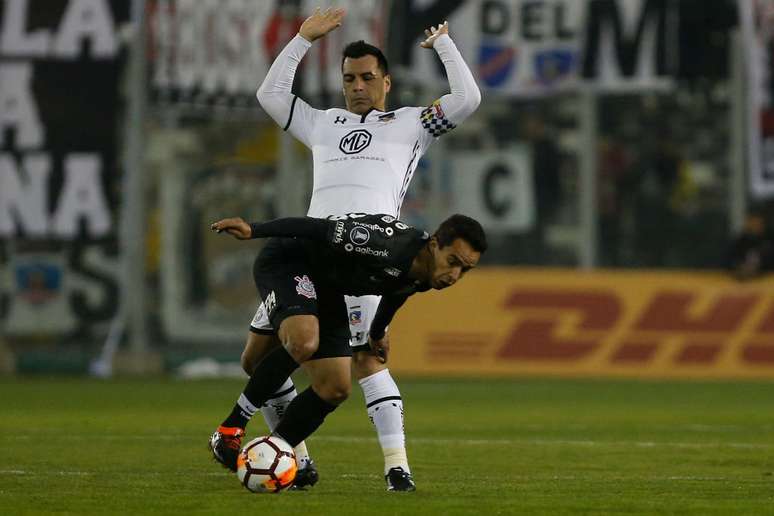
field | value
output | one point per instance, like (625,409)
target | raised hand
(434,33)
(321,23)
(235,227)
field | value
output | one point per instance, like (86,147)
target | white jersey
(364,163)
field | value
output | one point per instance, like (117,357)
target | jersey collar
(365,115)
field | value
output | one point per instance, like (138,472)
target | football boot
(225,444)
(399,480)
(306,476)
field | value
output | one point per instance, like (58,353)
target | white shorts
(361,312)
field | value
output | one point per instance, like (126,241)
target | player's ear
(387,83)
(432,244)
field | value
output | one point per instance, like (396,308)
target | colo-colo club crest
(355,141)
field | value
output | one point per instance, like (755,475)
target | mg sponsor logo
(355,141)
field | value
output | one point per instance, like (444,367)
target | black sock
(303,416)
(268,376)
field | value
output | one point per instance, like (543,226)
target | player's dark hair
(464,227)
(361,49)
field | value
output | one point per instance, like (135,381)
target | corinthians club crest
(305,287)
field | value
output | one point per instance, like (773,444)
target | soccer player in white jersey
(364,157)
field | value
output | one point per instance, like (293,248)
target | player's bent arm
(465,96)
(388,307)
(275,93)
(304,227)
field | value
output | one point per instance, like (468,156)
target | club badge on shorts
(305,287)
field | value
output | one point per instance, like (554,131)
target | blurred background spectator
(751,253)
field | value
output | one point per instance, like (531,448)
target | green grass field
(72,446)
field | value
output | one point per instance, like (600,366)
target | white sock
(274,409)
(385,409)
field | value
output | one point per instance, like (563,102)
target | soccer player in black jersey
(303,276)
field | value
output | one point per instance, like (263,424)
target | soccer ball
(267,465)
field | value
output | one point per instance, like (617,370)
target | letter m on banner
(630,41)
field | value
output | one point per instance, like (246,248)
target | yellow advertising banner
(514,321)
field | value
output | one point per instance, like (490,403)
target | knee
(302,347)
(334,392)
(301,336)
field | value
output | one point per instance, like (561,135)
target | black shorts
(284,278)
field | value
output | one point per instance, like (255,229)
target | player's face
(451,262)
(365,86)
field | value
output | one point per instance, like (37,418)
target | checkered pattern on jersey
(434,120)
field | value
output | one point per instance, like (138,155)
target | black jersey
(355,254)
(371,254)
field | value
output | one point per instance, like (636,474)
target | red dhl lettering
(668,313)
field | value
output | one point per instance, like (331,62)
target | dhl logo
(600,323)
(560,325)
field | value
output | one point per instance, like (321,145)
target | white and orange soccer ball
(266,465)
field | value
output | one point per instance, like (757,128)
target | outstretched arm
(275,94)
(341,234)
(465,96)
(303,227)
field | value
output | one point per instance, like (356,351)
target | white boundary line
(370,476)
(430,441)
(561,442)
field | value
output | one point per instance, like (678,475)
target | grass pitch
(73,446)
